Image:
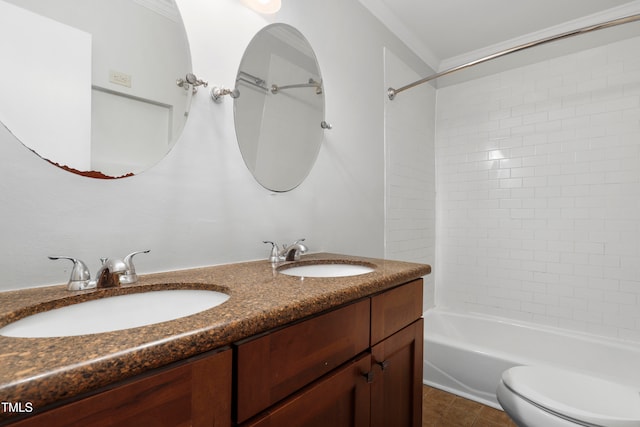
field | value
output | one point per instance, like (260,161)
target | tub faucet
(108,275)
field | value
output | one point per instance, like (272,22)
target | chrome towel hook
(191,81)
(325,125)
(217,93)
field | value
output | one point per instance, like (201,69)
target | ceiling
(446,33)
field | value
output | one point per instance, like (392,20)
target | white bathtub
(466,353)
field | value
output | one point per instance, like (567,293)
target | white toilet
(537,396)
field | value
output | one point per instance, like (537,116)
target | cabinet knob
(383,365)
(369,377)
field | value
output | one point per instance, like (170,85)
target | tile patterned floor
(442,409)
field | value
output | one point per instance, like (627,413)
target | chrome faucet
(287,253)
(293,251)
(112,273)
(108,275)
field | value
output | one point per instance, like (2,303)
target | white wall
(200,205)
(538,182)
(410,171)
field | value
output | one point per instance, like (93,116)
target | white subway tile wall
(538,192)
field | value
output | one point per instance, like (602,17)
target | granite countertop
(47,370)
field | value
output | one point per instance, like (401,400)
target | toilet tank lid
(577,396)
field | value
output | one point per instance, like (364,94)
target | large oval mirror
(280,108)
(91,85)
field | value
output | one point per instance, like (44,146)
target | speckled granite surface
(46,370)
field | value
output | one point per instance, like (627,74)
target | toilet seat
(576,397)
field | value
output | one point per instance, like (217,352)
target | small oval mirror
(280,108)
(92,86)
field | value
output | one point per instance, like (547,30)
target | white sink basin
(114,313)
(327,270)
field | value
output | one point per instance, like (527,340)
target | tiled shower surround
(538,184)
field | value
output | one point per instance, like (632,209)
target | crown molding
(596,18)
(399,29)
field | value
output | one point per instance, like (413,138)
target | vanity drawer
(179,395)
(394,309)
(272,366)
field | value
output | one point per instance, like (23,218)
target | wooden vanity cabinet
(195,392)
(291,376)
(359,365)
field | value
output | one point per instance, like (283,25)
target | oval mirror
(91,86)
(280,108)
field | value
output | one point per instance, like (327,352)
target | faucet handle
(274,256)
(130,275)
(80,276)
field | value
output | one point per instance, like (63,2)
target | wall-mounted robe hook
(217,93)
(191,81)
(325,125)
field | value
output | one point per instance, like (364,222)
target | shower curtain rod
(391,92)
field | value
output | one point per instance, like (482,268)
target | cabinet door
(342,399)
(394,309)
(197,393)
(396,393)
(273,366)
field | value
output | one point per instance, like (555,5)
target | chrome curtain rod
(391,92)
